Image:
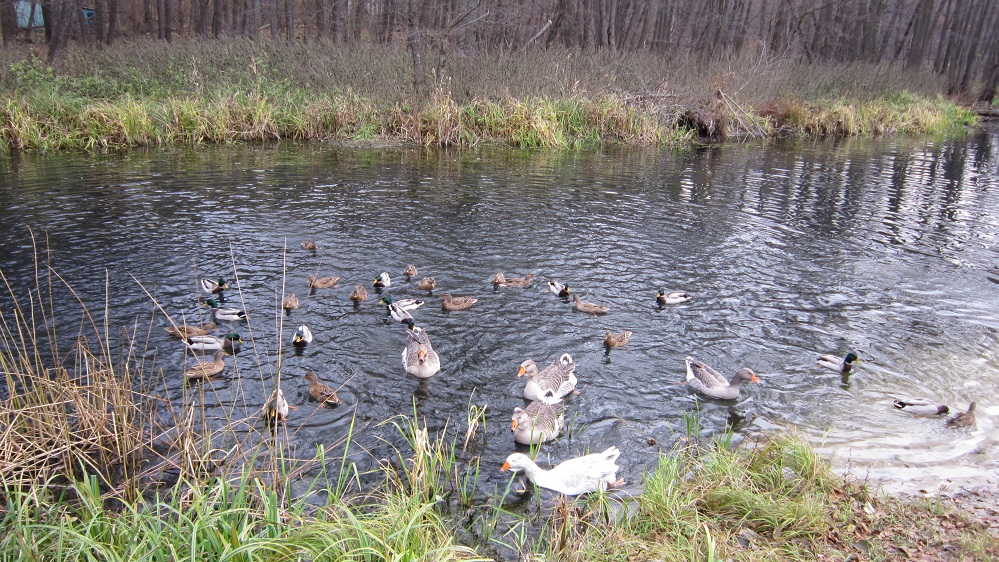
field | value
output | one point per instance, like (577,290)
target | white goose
(579,475)
(556,380)
(418,357)
(710,382)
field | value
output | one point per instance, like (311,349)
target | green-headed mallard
(838,364)
(410,271)
(400,315)
(555,381)
(963,419)
(185,331)
(214,287)
(359,294)
(225,314)
(326,282)
(541,421)
(277,406)
(323,393)
(589,307)
(449,302)
(921,407)
(617,340)
(518,281)
(556,288)
(418,357)
(383,280)
(290,302)
(212,343)
(427,284)
(710,382)
(579,475)
(302,336)
(673,297)
(310,245)
(207,369)
(404,304)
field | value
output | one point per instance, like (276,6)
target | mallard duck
(580,475)
(498,279)
(323,393)
(839,364)
(457,303)
(225,314)
(214,287)
(290,302)
(555,381)
(556,288)
(302,336)
(185,331)
(710,382)
(310,245)
(963,419)
(359,294)
(589,307)
(404,304)
(383,280)
(277,406)
(410,271)
(617,340)
(673,297)
(418,357)
(212,343)
(518,281)
(427,284)
(921,407)
(400,315)
(207,369)
(541,421)
(327,282)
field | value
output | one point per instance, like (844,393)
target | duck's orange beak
(522,371)
(754,379)
(506,466)
(513,425)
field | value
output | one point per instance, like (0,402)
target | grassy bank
(151,93)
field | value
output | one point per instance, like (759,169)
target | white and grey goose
(710,382)
(418,357)
(588,473)
(555,380)
(541,421)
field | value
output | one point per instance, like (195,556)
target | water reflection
(887,248)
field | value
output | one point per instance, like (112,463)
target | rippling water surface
(885,247)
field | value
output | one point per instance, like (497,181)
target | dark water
(885,247)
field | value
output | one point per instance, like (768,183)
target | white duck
(302,336)
(921,407)
(541,421)
(418,357)
(838,364)
(580,475)
(672,297)
(277,406)
(556,288)
(556,380)
(400,315)
(710,382)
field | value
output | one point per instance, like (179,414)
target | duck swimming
(579,475)
(710,382)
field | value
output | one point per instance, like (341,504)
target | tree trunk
(8,21)
(62,17)
(112,32)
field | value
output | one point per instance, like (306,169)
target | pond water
(884,247)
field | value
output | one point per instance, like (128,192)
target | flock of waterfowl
(543,418)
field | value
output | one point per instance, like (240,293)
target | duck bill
(522,371)
(506,466)
(513,425)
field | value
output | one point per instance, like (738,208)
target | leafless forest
(957,39)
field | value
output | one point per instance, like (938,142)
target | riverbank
(147,93)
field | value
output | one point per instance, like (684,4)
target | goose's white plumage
(921,407)
(839,364)
(579,475)
(556,380)
(541,421)
(418,357)
(710,382)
